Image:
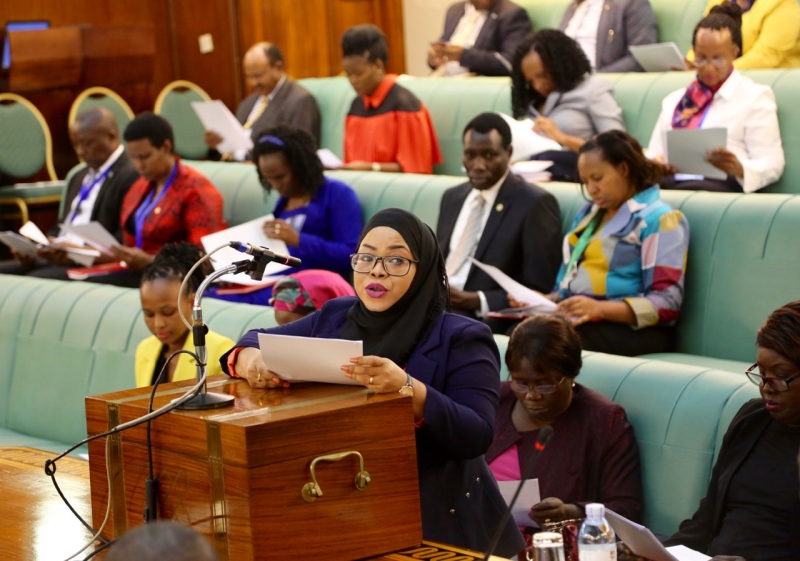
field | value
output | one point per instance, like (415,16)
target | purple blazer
(592,458)
(459,363)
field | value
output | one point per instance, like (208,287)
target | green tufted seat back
(177,109)
(23,150)
(120,112)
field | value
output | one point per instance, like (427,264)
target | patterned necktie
(258,112)
(469,239)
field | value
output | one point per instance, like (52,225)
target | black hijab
(394,333)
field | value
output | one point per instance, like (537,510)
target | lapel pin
(499,207)
(157,210)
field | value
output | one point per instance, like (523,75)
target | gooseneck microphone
(263,252)
(545,434)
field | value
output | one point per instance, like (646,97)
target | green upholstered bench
(453,103)
(61,341)
(675,18)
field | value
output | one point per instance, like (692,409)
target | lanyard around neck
(85,192)
(583,242)
(148,204)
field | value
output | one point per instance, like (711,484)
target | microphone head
(545,434)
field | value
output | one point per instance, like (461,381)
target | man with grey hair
(276,100)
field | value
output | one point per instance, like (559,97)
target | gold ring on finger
(259,377)
(371,378)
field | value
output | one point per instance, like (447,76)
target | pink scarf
(694,104)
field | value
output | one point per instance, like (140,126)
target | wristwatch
(376,166)
(408,389)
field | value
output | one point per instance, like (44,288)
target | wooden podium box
(237,474)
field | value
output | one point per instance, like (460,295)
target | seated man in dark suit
(498,219)
(276,100)
(480,36)
(94,193)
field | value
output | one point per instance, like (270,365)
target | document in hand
(688,148)
(658,57)
(533,170)
(309,359)
(525,142)
(536,301)
(644,544)
(33,237)
(249,232)
(216,117)
(528,497)
(93,234)
(329,159)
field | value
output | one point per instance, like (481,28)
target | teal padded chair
(102,97)
(334,97)
(174,104)
(25,142)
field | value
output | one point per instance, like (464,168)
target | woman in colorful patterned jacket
(621,280)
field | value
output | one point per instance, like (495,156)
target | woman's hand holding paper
(250,366)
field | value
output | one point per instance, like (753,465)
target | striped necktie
(469,239)
(262,106)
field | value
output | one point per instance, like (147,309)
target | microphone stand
(204,400)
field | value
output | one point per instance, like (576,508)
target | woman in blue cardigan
(448,363)
(319,218)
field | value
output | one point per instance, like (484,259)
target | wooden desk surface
(37,525)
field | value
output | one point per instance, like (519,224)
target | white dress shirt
(464,35)
(241,155)
(459,278)
(84,212)
(749,112)
(583,27)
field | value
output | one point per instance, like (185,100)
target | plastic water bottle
(596,541)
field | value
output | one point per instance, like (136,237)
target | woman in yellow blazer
(770,34)
(161,282)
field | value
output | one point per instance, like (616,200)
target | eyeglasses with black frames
(545,389)
(394,265)
(777,384)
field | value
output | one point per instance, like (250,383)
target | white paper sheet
(329,159)
(688,148)
(643,543)
(525,142)
(249,232)
(528,497)
(658,57)
(93,234)
(216,117)
(32,232)
(18,243)
(308,358)
(536,301)
(533,170)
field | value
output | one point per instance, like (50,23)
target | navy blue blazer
(460,364)
(331,230)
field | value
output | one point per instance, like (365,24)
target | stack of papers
(537,303)
(644,544)
(250,232)
(93,234)
(525,142)
(31,238)
(309,359)
(216,117)
(533,171)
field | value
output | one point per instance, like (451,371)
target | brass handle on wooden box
(312,490)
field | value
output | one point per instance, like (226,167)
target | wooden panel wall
(309,32)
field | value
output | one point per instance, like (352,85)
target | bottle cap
(595,511)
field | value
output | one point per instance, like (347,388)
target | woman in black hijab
(449,364)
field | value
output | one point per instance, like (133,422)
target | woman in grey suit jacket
(551,83)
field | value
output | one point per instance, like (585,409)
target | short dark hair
(486,123)
(619,147)
(727,15)
(365,40)
(154,128)
(300,150)
(174,262)
(563,59)
(162,540)
(781,332)
(548,343)
(273,54)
